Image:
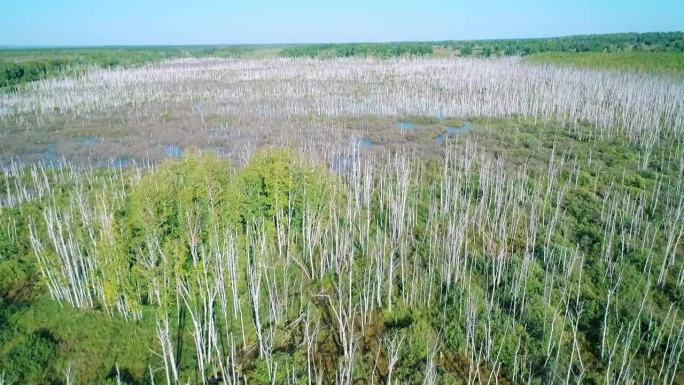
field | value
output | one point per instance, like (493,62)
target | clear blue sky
(139,22)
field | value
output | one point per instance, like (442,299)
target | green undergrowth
(650,62)
(40,338)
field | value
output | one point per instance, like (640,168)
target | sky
(168,22)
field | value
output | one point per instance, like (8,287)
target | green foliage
(12,73)
(274,183)
(194,198)
(12,275)
(585,209)
(662,62)
(382,50)
(616,42)
(20,66)
(29,361)
(18,270)
(641,51)
(39,342)
(193,191)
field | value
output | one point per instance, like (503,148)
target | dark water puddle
(173,151)
(454,131)
(365,143)
(405,126)
(50,154)
(122,162)
(87,140)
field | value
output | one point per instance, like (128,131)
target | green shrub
(30,361)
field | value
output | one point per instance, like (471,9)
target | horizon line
(266,45)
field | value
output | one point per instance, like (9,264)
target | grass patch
(659,62)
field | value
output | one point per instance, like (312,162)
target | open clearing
(230,105)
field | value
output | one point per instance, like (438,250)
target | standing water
(453,131)
(405,126)
(173,151)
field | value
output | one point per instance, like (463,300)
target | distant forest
(359,49)
(615,42)
(19,66)
(618,42)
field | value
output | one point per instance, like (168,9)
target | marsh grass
(670,63)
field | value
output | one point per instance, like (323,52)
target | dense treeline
(19,66)
(532,257)
(382,50)
(12,73)
(617,42)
